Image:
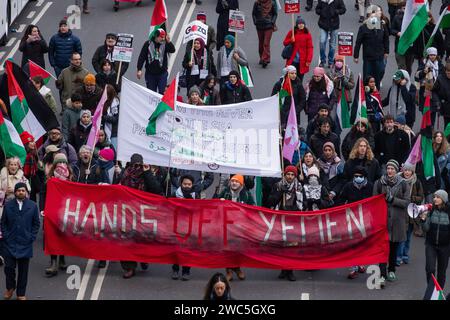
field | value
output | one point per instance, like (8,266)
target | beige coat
(7,184)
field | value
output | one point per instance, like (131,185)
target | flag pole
(171,132)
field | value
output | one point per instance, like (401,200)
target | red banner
(120,223)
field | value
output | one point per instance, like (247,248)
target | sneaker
(361,269)
(229,274)
(321,65)
(8,294)
(264,64)
(398,262)
(185,276)
(240,274)
(405,259)
(129,274)
(290,275)
(101,264)
(175,275)
(391,277)
(282,274)
(352,275)
(382,283)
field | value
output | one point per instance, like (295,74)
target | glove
(284,188)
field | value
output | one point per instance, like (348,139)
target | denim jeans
(331,37)
(156,83)
(374,68)
(403,247)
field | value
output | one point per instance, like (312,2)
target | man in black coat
(391,143)
(223,8)
(19,227)
(105,51)
(441,93)
(357,189)
(405,61)
(313,125)
(329,12)
(155,54)
(323,135)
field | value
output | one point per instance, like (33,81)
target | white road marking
(31,14)
(177,19)
(39,3)
(21,28)
(85,279)
(99,282)
(305,296)
(10,42)
(44,10)
(180,37)
(10,55)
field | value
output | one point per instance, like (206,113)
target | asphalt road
(155,283)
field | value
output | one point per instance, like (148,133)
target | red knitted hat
(292,169)
(26,137)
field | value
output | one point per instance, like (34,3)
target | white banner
(194,30)
(238,138)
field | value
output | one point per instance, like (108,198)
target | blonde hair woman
(362,155)
(10,175)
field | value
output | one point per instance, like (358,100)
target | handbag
(182,79)
(287,51)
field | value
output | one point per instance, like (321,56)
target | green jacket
(70,119)
(244,196)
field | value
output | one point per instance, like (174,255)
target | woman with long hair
(442,154)
(319,90)
(218,288)
(373,103)
(110,118)
(33,46)
(362,155)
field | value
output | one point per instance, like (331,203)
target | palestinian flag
(426,144)
(443,22)
(434,290)
(10,140)
(342,111)
(359,107)
(167,103)
(286,90)
(159,17)
(414,20)
(28,110)
(246,76)
(37,70)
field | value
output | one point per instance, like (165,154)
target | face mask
(339,64)
(314,181)
(358,180)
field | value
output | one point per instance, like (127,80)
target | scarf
(181,194)
(330,166)
(434,67)
(133,177)
(411,181)
(30,166)
(396,102)
(105,166)
(61,171)
(156,54)
(226,62)
(313,192)
(235,194)
(266,7)
(294,196)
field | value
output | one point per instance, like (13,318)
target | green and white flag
(414,20)
(10,140)
(159,17)
(443,22)
(246,76)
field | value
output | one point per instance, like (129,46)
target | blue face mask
(358,180)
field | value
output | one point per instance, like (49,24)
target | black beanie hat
(20,185)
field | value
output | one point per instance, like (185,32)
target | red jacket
(303,44)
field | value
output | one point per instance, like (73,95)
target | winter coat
(264,22)
(441,93)
(224,179)
(102,79)
(397,216)
(70,119)
(315,98)
(223,10)
(64,147)
(396,27)
(329,12)
(33,51)
(417,196)
(111,119)
(437,226)
(106,144)
(78,135)
(313,126)
(303,45)
(350,193)
(372,166)
(195,79)
(318,140)
(8,180)
(102,53)
(234,93)
(347,81)
(244,196)
(153,67)
(20,228)
(90,100)
(298,92)
(70,80)
(421,77)
(61,47)
(278,198)
(350,140)
(242,61)
(391,146)
(334,184)
(79,173)
(438,42)
(202,180)
(375,43)
(210,96)
(48,96)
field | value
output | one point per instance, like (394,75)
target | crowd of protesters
(325,171)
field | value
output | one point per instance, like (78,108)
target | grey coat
(397,215)
(242,61)
(70,119)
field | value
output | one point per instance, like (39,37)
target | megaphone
(414,210)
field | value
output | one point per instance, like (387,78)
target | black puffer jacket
(329,14)
(375,43)
(264,22)
(437,226)
(299,99)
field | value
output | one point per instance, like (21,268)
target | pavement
(86,281)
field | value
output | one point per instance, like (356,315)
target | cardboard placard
(345,43)
(123,50)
